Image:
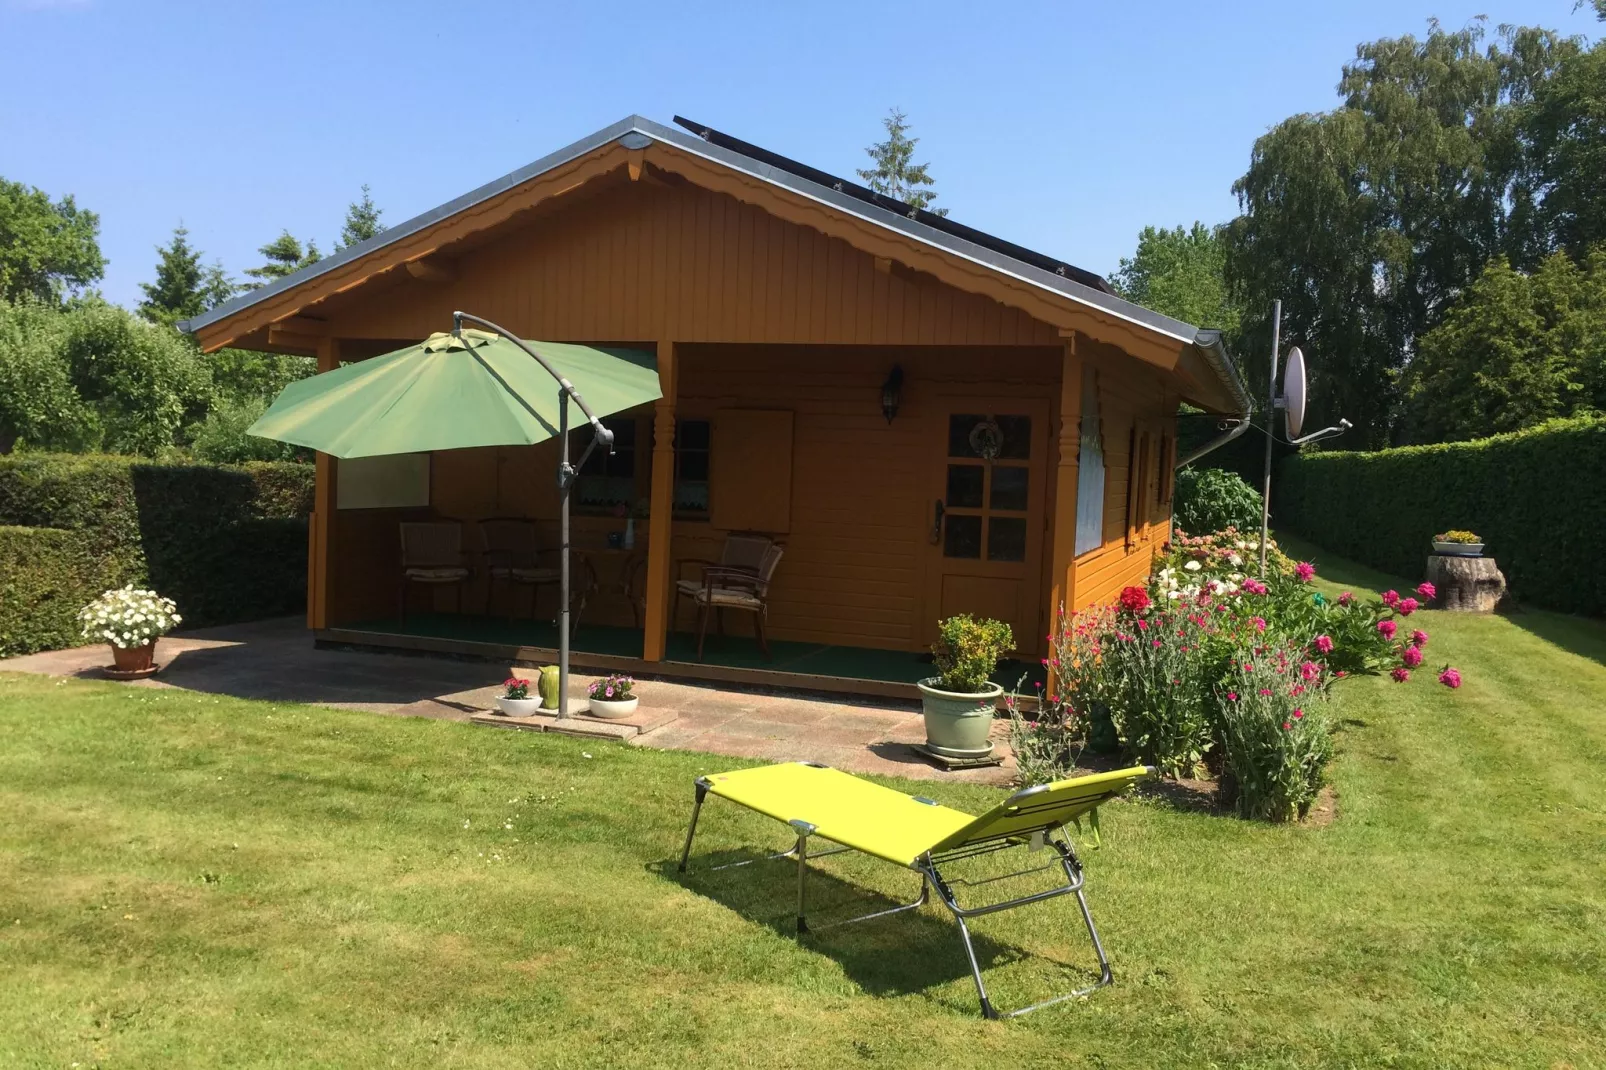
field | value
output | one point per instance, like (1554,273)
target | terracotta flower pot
(134,658)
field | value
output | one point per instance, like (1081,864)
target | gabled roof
(994,254)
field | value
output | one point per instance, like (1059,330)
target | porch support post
(321,524)
(661,519)
(1062,573)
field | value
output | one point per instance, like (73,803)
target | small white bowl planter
(1458,549)
(611,708)
(518,707)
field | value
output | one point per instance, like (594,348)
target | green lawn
(194,881)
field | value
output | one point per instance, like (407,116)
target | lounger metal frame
(928,865)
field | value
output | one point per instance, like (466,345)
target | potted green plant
(515,700)
(130,619)
(1458,543)
(613,696)
(960,701)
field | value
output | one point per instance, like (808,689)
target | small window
(607,480)
(1089,471)
(691,467)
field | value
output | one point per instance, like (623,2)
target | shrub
(129,617)
(228,543)
(46,576)
(1274,735)
(38,403)
(1383,508)
(221,437)
(1211,499)
(967,651)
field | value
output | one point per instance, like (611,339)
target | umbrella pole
(564,483)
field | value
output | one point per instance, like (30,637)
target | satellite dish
(1294,392)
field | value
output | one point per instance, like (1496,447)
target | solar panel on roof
(892,204)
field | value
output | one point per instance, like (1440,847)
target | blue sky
(1065,126)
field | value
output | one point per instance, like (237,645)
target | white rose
(1193,566)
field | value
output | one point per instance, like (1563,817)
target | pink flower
(1232,696)
(1265,691)
(1401,674)
(1254,586)
(1391,598)
(1412,656)
(1407,606)
(1287,727)
(1387,628)
(1304,571)
(1248,667)
(1427,591)
(1419,638)
(1345,599)
(1143,625)
(1259,623)
(1324,643)
(1310,670)
(1156,643)
(1450,678)
(1298,713)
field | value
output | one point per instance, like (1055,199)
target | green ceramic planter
(957,724)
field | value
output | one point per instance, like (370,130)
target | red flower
(1232,696)
(1450,677)
(1298,713)
(1427,591)
(1134,599)
(1345,599)
(1304,571)
(1401,674)
(1391,598)
(1412,656)
(1310,670)
(1324,643)
(1407,606)
(1287,727)
(1387,627)
(1419,638)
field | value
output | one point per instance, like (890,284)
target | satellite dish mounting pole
(1271,409)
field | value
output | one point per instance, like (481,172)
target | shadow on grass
(896,955)
(1577,635)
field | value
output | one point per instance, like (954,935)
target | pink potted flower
(613,696)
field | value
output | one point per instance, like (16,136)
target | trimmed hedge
(46,576)
(1537,497)
(227,543)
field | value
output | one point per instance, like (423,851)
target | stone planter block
(1466,584)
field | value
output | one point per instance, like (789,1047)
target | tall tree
(1369,219)
(48,250)
(177,293)
(895,173)
(362,221)
(284,255)
(1182,273)
(1566,131)
(1514,350)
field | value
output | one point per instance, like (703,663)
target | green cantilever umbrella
(467,388)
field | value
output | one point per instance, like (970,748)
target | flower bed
(1210,668)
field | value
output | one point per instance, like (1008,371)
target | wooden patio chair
(513,558)
(740,589)
(432,554)
(743,550)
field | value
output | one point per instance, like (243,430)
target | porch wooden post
(661,520)
(321,525)
(1062,584)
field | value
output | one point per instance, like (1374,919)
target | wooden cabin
(931,420)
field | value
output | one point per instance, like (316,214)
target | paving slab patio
(275,660)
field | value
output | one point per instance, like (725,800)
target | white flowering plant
(129,617)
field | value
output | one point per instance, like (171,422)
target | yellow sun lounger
(919,834)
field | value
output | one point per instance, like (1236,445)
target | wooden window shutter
(750,470)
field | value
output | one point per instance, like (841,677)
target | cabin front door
(989,477)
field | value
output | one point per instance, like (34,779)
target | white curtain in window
(1090,472)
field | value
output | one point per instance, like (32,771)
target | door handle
(936,524)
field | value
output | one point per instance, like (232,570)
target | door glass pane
(962,536)
(1017,437)
(1006,538)
(959,427)
(964,485)
(1009,488)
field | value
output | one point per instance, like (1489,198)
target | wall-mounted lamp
(892,392)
